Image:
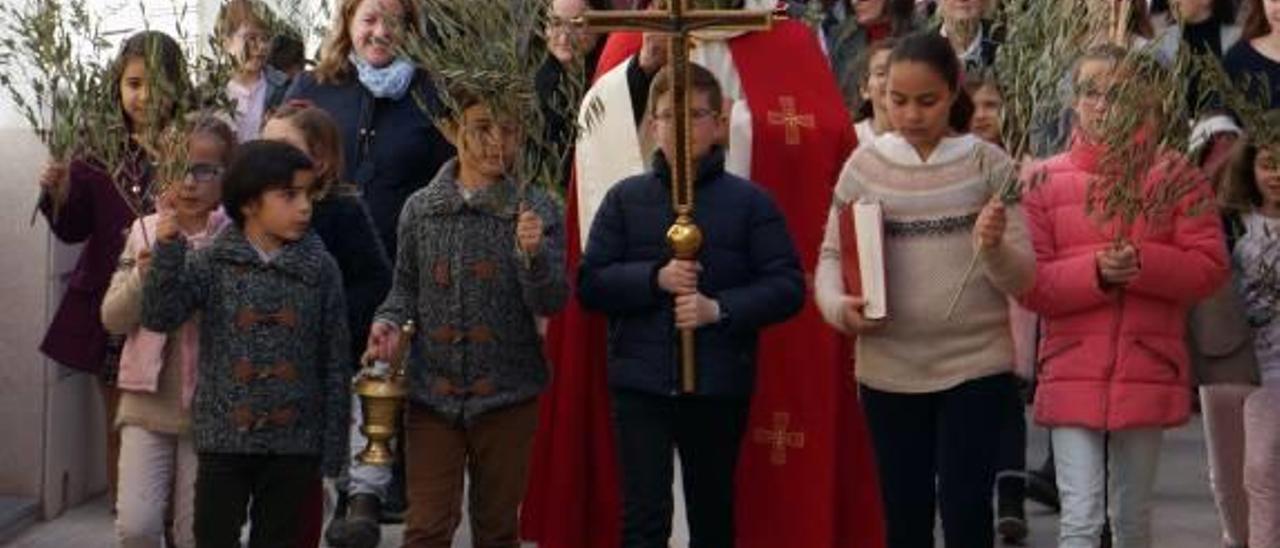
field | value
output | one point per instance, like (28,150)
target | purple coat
(96,214)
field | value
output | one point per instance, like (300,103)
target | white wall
(23,268)
(51,433)
(50,418)
(9,117)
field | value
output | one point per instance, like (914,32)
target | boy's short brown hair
(238,13)
(465,98)
(700,81)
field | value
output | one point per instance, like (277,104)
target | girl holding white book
(934,389)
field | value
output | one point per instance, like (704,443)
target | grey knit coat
(474,296)
(273,371)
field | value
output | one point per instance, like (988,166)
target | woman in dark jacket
(567,45)
(380,102)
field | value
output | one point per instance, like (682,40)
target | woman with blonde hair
(373,93)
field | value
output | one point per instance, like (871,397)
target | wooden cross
(779,439)
(678,21)
(1119,23)
(791,119)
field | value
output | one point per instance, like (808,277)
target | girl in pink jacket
(1113,298)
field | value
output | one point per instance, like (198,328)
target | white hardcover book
(868,225)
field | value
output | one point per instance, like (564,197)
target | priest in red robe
(806,475)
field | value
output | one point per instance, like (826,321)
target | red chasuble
(806,475)
(574,496)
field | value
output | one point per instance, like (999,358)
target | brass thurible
(383,388)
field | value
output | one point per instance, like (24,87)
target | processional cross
(678,21)
(1119,23)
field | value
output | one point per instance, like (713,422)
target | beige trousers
(155,468)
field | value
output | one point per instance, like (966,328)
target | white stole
(612,149)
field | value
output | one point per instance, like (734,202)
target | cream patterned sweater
(930,207)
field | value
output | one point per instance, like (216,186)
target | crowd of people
(337,202)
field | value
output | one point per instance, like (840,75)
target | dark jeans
(707,432)
(939,447)
(228,485)
(1011,490)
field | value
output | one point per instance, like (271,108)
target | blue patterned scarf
(389,82)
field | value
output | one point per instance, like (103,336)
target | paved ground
(1184,516)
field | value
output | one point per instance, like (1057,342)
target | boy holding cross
(748,276)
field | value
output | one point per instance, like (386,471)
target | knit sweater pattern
(930,208)
(474,296)
(273,370)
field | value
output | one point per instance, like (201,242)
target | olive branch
(1149,106)
(493,51)
(56,45)
(1042,42)
(55,68)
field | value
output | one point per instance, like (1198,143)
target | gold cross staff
(678,21)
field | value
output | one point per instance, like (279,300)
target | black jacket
(390,148)
(749,265)
(342,221)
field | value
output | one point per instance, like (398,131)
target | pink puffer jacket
(1111,360)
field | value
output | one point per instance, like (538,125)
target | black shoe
(1043,491)
(361,528)
(1011,519)
(335,535)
